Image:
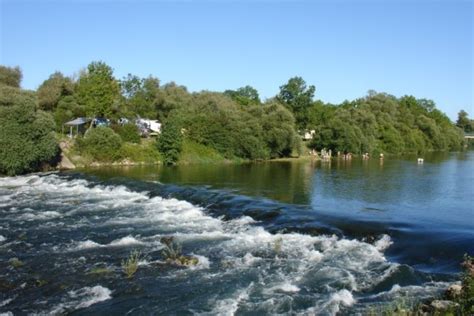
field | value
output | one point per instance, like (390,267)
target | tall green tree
(53,89)
(170,142)
(297,97)
(97,89)
(10,76)
(140,95)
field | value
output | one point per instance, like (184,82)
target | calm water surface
(280,237)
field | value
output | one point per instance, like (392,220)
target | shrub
(129,133)
(102,143)
(27,141)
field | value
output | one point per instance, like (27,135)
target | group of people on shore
(326,155)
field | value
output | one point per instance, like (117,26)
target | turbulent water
(256,255)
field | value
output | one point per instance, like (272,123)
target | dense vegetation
(235,124)
(27,141)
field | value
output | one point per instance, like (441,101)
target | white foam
(229,306)
(203,263)
(383,243)
(126,241)
(83,298)
(328,267)
(7,301)
(88,244)
(285,287)
(2,239)
(43,215)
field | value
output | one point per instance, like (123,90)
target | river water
(303,237)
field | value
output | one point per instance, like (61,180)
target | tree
(244,96)
(140,95)
(27,141)
(170,142)
(278,126)
(10,76)
(464,122)
(67,109)
(297,97)
(97,89)
(53,89)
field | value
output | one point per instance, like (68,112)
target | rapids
(256,255)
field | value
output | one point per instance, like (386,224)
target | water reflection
(387,189)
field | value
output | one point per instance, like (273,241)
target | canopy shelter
(79,124)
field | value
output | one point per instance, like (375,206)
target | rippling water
(291,238)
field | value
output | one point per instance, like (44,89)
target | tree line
(235,123)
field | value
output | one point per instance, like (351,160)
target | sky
(345,48)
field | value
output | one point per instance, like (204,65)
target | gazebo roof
(78,121)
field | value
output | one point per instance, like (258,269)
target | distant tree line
(235,123)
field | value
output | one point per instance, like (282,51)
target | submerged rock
(443,305)
(454,291)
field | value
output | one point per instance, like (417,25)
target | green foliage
(250,132)
(278,130)
(145,152)
(171,97)
(130,265)
(10,76)
(193,152)
(140,96)
(27,141)
(298,98)
(66,110)
(244,96)
(382,123)
(128,133)
(466,300)
(101,143)
(170,143)
(97,89)
(464,122)
(53,89)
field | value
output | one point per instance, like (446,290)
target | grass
(197,153)
(99,271)
(145,152)
(130,265)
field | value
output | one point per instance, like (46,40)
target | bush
(170,143)
(102,143)
(27,141)
(129,133)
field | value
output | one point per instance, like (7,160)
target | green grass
(196,153)
(130,265)
(145,152)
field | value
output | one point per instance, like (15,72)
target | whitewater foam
(82,298)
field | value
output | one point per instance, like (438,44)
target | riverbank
(146,153)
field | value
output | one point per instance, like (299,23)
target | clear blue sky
(344,48)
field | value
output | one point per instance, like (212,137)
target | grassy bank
(145,152)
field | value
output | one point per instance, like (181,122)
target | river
(290,237)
